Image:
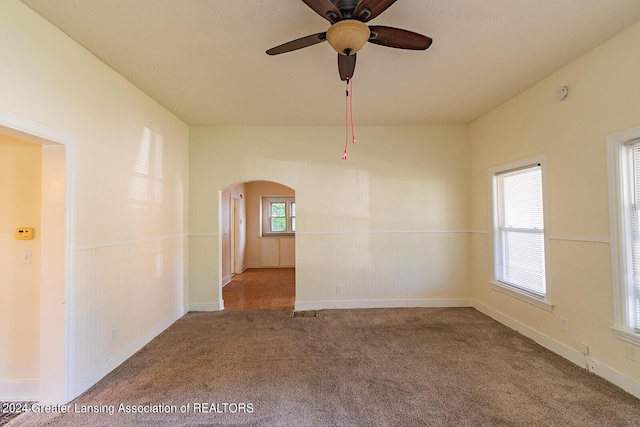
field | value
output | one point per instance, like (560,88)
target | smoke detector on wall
(562,93)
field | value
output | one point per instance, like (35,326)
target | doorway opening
(50,253)
(257,246)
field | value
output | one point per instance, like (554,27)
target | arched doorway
(257,246)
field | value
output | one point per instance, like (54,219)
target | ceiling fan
(348,31)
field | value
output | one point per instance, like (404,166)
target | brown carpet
(382,367)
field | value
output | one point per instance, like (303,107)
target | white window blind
(519,246)
(633,190)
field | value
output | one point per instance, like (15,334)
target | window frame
(541,301)
(265,213)
(619,225)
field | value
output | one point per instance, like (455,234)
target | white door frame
(57,286)
(234,225)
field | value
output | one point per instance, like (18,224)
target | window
(623,150)
(278,215)
(633,234)
(519,242)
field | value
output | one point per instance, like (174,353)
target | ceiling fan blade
(400,39)
(298,44)
(326,9)
(346,66)
(369,9)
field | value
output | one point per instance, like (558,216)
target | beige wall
(604,98)
(131,189)
(20,164)
(388,224)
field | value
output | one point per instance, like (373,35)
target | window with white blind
(519,242)
(632,197)
(623,149)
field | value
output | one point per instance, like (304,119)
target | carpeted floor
(382,367)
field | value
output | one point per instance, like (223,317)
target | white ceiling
(205,60)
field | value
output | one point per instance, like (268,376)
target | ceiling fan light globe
(348,35)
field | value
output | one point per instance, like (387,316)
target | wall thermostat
(562,93)
(25,233)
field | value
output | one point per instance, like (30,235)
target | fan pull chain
(346,121)
(353,133)
(348,106)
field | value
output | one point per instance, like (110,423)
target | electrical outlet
(631,353)
(114,335)
(583,348)
(338,289)
(564,324)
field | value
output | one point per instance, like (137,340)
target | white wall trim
(393,303)
(626,335)
(226,280)
(588,239)
(573,355)
(206,306)
(626,383)
(83,384)
(522,296)
(204,235)
(568,237)
(86,246)
(347,233)
(19,391)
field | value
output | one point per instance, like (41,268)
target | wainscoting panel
(126,293)
(381,266)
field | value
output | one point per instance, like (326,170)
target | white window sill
(626,335)
(521,295)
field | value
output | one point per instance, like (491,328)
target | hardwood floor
(261,289)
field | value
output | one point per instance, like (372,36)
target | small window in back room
(278,215)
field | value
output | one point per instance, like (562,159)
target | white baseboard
(19,391)
(629,385)
(573,355)
(206,306)
(226,280)
(253,265)
(394,303)
(83,384)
